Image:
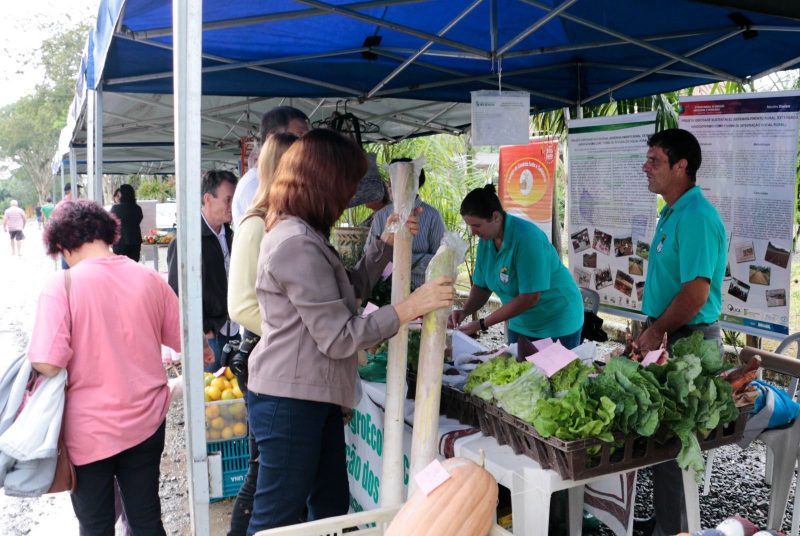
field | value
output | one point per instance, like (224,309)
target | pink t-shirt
(14,219)
(117,393)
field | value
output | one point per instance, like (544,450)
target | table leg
(576,510)
(692,498)
(530,508)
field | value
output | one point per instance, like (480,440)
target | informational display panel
(500,118)
(749,144)
(611,212)
(527,181)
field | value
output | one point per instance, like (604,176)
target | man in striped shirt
(425,243)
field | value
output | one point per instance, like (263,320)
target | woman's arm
(46,369)
(516,306)
(242,301)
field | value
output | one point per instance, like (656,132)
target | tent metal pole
(274,72)
(672,72)
(188,41)
(400,68)
(430,120)
(493,30)
(638,42)
(392,26)
(535,26)
(232,65)
(610,43)
(785,65)
(73,171)
(98,146)
(90,134)
(286,15)
(433,53)
(665,65)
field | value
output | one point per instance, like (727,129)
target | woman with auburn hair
(104,320)
(242,302)
(303,370)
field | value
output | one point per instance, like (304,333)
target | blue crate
(235,459)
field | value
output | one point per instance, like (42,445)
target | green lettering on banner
(361,425)
(354,505)
(353,461)
(370,482)
(406,467)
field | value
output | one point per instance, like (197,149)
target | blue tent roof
(587,51)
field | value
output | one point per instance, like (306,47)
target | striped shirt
(424,245)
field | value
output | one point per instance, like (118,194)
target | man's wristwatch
(482,324)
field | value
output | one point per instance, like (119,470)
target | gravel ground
(737,485)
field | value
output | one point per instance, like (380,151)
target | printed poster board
(611,212)
(749,144)
(527,181)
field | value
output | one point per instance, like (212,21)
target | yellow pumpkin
(464,505)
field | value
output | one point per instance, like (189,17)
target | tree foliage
(29,127)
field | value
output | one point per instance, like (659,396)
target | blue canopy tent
(417,60)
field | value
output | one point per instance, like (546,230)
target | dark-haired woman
(117,395)
(303,370)
(129,214)
(516,261)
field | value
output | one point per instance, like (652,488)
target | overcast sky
(21,33)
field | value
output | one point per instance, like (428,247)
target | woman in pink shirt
(107,332)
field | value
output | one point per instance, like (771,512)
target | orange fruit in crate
(212,412)
(228,373)
(237,393)
(219,383)
(237,409)
(227,433)
(218,423)
(239,429)
(227,394)
(212,435)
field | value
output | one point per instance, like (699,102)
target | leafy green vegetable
(569,376)
(520,396)
(498,371)
(575,416)
(696,399)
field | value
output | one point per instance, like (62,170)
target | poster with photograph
(749,146)
(609,203)
(526,181)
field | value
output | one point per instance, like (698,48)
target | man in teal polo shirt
(683,289)
(516,261)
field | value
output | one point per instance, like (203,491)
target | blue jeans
(567,341)
(217,344)
(301,461)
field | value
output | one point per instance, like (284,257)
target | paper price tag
(651,357)
(552,359)
(387,271)
(541,344)
(431,477)
(220,372)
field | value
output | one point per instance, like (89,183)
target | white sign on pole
(500,118)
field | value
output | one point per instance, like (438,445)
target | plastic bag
(405,183)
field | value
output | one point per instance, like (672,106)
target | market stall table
(531,486)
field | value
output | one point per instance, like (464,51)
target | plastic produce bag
(405,183)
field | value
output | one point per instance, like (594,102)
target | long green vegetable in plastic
(405,183)
(431,360)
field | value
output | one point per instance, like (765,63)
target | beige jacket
(311,330)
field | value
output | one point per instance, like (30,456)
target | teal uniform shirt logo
(504,275)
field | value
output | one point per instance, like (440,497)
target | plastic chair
(792,342)
(783,443)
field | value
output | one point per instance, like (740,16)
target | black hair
(482,203)
(278,119)
(127,194)
(421,171)
(49,199)
(75,223)
(213,178)
(679,144)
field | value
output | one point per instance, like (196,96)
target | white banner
(749,144)
(611,212)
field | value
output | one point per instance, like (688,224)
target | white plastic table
(531,486)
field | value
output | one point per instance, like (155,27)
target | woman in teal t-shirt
(516,261)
